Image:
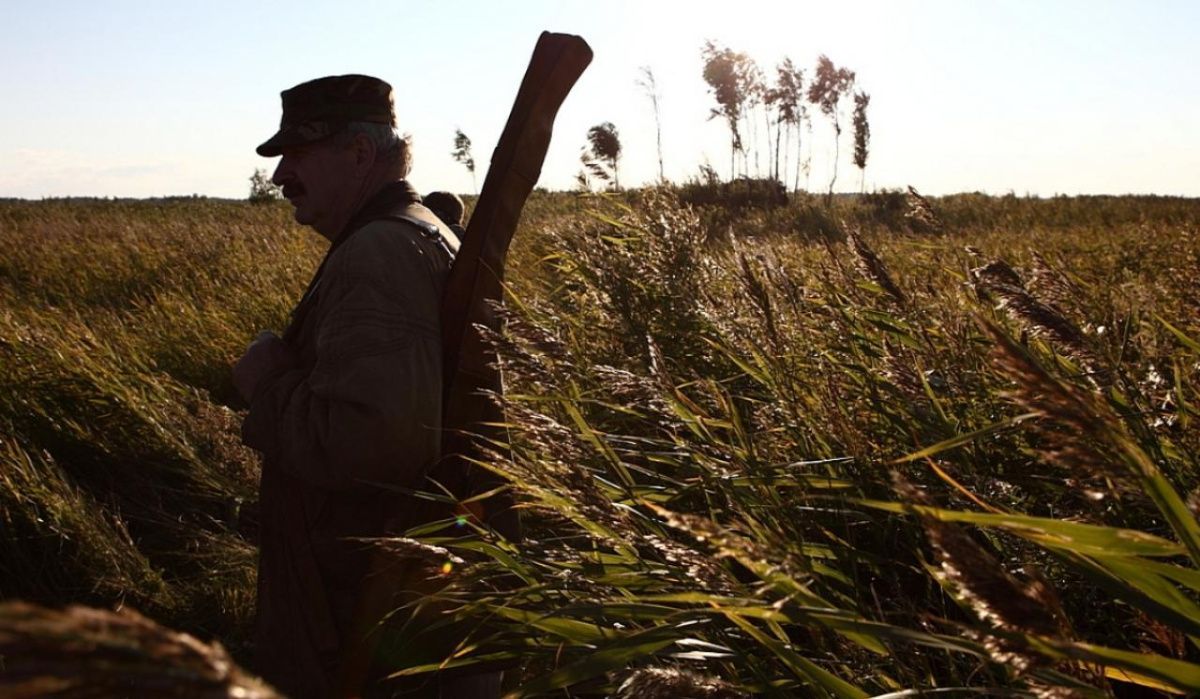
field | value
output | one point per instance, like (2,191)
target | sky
(141,99)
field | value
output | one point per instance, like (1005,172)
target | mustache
(292,188)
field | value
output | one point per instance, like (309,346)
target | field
(812,449)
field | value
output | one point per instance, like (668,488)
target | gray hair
(392,148)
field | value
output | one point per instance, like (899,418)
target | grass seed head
(675,683)
(872,267)
(997,598)
(920,215)
(80,651)
(998,280)
(1075,430)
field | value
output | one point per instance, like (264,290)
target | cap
(320,108)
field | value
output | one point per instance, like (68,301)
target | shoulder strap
(428,230)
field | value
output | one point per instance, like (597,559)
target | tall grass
(124,477)
(792,451)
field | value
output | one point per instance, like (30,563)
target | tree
(788,99)
(728,75)
(262,189)
(650,87)
(462,154)
(756,92)
(806,165)
(603,156)
(862,135)
(770,101)
(830,84)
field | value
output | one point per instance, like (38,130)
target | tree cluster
(745,98)
(782,104)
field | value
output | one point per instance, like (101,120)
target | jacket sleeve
(370,409)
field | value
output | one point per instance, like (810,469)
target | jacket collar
(392,196)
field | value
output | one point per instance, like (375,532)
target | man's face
(316,179)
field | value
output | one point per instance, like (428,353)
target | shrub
(262,189)
(742,193)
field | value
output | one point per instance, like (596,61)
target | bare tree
(650,86)
(462,154)
(602,157)
(770,100)
(756,99)
(862,136)
(830,84)
(806,165)
(788,96)
(727,75)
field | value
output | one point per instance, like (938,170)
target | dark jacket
(361,413)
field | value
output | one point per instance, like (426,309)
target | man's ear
(363,150)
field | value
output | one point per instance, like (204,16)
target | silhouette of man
(346,406)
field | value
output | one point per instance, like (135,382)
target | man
(449,208)
(346,406)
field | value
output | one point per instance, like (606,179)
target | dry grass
(706,409)
(81,652)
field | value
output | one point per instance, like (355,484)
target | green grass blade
(1179,674)
(1161,598)
(1164,495)
(617,655)
(1088,539)
(827,683)
(1179,334)
(967,438)
(1188,577)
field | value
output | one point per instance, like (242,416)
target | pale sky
(146,98)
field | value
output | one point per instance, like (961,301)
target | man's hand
(265,356)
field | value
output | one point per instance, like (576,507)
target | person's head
(447,205)
(339,145)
